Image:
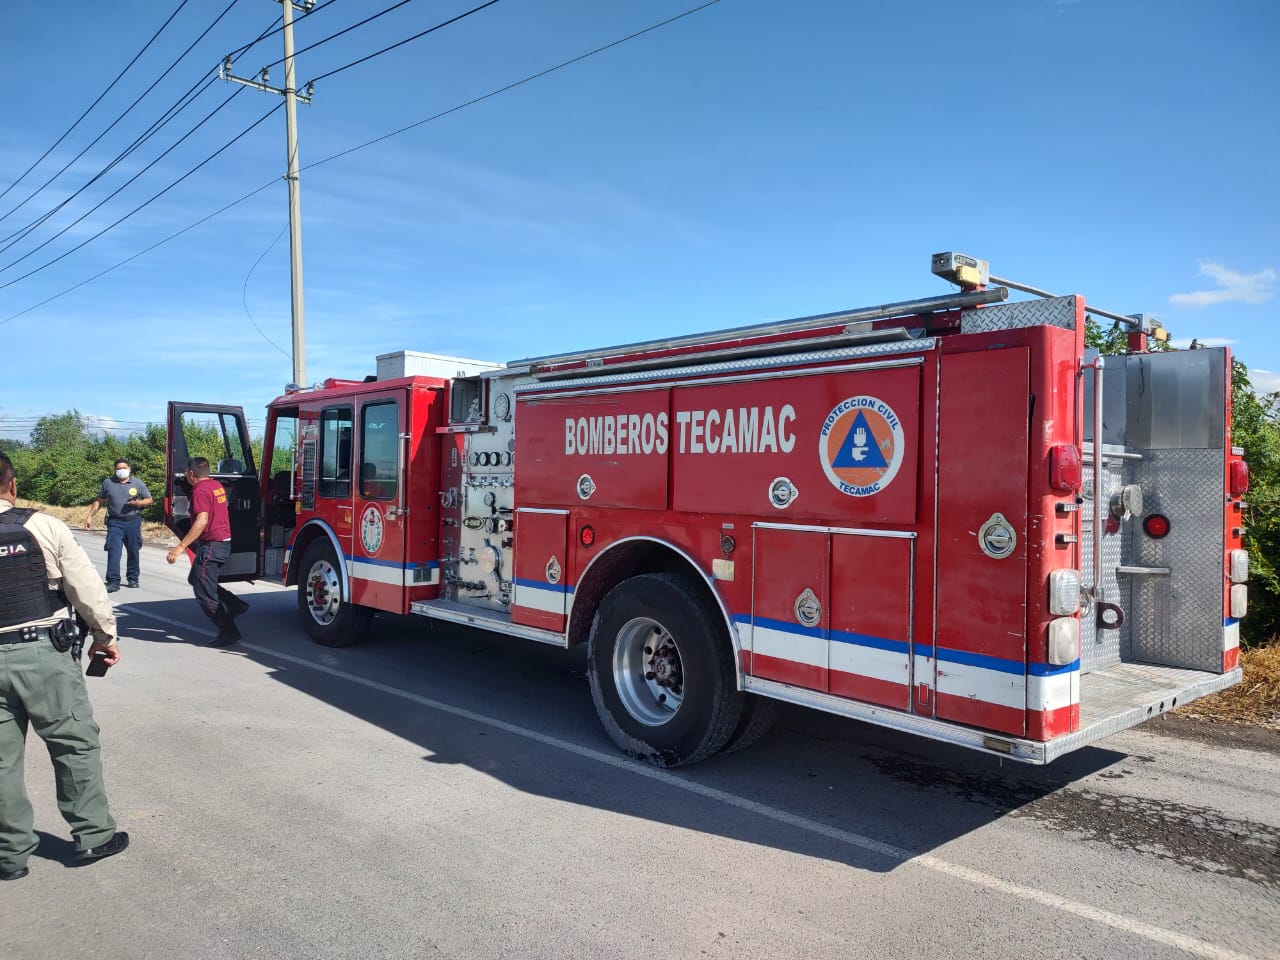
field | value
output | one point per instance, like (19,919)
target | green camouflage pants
(44,688)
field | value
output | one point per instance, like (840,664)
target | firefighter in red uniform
(211,533)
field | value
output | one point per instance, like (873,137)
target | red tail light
(1239,478)
(1065,470)
(1156,525)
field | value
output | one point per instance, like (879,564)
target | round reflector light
(587,536)
(1156,526)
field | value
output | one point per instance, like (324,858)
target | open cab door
(220,435)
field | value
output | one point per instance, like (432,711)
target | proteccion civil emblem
(861,446)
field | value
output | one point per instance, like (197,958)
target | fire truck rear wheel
(662,672)
(759,714)
(331,619)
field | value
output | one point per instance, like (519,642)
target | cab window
(379,437)
(335,452)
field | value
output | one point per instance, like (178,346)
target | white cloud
(1233,287)
(1264,381)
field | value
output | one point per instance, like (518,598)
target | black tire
(758,717)
(331,619)
(662,673)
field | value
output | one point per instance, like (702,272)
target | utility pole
(291,98)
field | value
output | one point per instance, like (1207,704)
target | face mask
(123,473)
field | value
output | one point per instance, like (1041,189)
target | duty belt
(26,635)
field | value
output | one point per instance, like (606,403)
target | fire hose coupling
(1127,502)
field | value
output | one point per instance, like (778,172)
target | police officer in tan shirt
(42,570)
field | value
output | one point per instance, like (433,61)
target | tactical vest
(24,579)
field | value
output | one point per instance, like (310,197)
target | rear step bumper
(1111,700)
(1125,694)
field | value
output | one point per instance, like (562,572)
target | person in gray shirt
(125,496)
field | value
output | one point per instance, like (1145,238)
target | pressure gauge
(490,499)
(502,406)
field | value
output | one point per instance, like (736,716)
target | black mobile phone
(97,666)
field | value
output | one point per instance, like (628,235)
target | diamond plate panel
(1051,312)
(1103,648)
(1178,619)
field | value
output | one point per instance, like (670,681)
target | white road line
(1191,945)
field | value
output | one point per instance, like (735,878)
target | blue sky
(753,161)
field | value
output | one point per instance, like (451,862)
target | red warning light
(587,536)
(1156,526)
(1239,478)
(1065,468)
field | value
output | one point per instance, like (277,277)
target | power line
(86,418)
(401,43)
(316,9)
(512,86)
(361,146)
(184,101)
(371,56)
(141,253)
(153,198)
(99,100)
(114,193)
(244,293)
(181,104)
(111,126)
(334,36)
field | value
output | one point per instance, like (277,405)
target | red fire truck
(942,516)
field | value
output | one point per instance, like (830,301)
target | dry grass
(1255,701)
(73,517)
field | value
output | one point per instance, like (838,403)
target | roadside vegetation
(1255,701)
(64,463)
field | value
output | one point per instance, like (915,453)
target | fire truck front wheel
(662,672)
(331,619)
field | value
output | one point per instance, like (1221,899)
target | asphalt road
(442,792)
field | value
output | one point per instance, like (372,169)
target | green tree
(64,462)
(1256,429)
(64,467)
(1108,340)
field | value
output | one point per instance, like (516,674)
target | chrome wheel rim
(324,592)
(648,671)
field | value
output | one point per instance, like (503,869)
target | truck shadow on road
(522,714)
